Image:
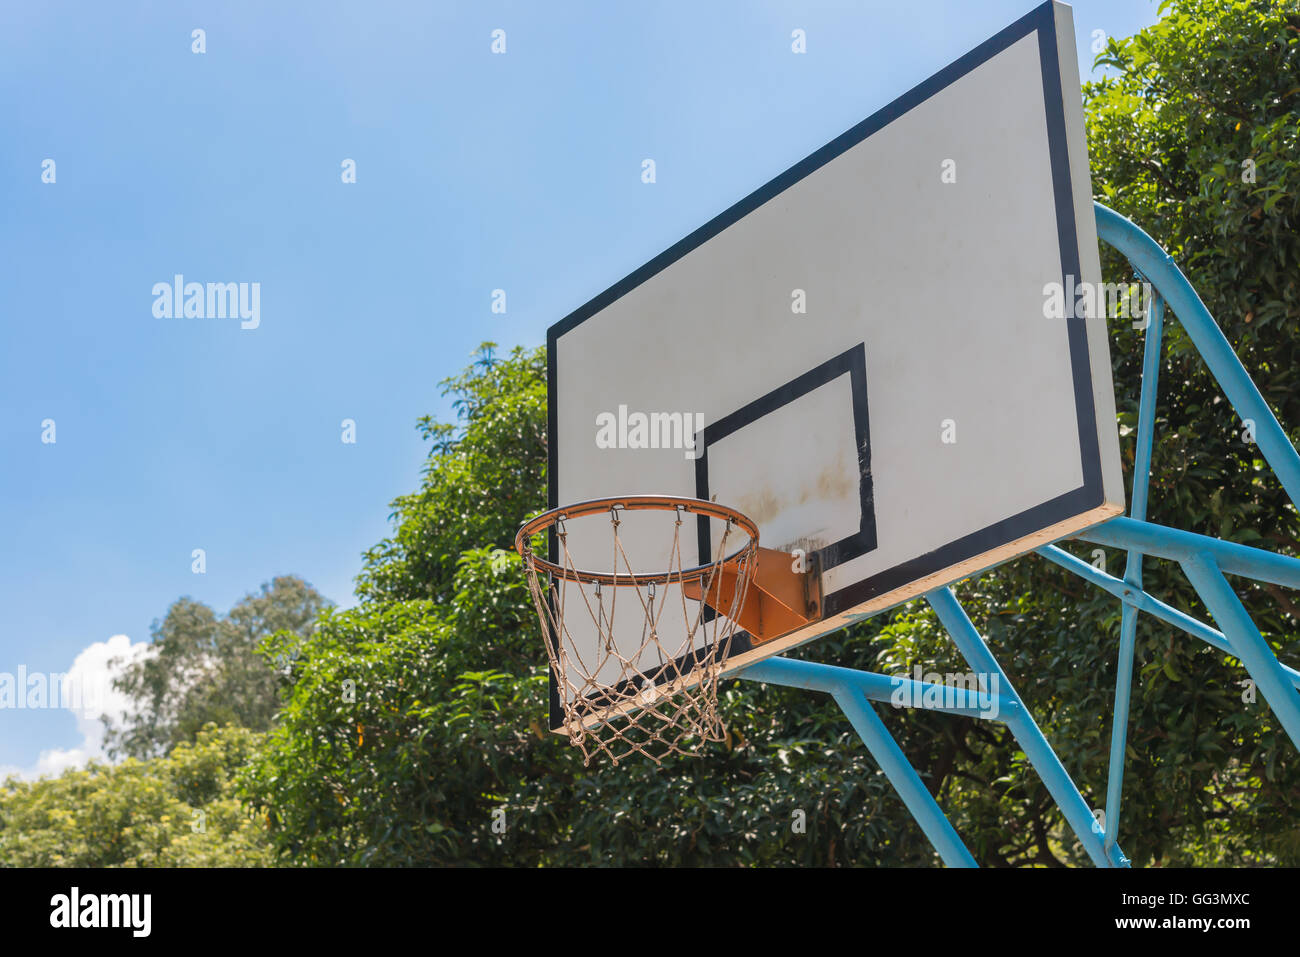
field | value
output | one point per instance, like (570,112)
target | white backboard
(922,419)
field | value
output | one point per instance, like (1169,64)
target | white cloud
(52,762)
(87,691)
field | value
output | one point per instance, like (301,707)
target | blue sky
(474,172)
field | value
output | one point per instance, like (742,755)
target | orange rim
(634,503)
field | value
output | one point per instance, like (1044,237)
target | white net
(654,693)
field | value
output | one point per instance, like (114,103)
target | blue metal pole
(1247,643)
(1159,267)
(845,686)
(1146,429)
(1119,719)
(1142,601)
(1026,731)
(1133,569)
(1176,545)
(904,778)
(887,689)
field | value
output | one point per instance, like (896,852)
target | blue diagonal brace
(845,685)
(1177,545)
(904,778)
(1133,569)
(1040,754)
(1159,267)
(1247,643)
(1142,601)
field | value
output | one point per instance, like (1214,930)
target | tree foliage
(414,726)
(414,723)
(1196,140)
(416,715)
(203,668)
(477,481)
(181,810)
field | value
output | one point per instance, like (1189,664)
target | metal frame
(1204,561)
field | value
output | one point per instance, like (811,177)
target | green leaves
(484,474)
(178,811)
(1197,97)
(203,668)
(445,726)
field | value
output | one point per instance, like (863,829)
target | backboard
(858,356)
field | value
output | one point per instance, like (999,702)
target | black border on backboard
(1041,20)
(852,363)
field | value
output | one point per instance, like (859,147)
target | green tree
(205,668)
(181,810)
(418,716)
(442,726)
(415,716)
(479,482)
(1196,140)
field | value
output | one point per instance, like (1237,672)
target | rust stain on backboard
(837,480)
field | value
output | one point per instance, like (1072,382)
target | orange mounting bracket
(780,600)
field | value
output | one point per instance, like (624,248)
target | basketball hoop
(643,693)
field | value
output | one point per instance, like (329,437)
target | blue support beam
(1158,266)
(1142,601)
(1027,733)
(1151,351)
(1146,430)
(848,687)
(904,778)
(1176,545)
(1204,560)
(1248,644)
(887,689)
